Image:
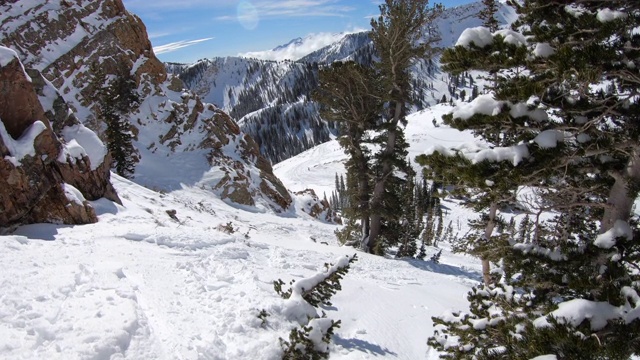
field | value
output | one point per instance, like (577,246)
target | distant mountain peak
(299,47)
(295,42)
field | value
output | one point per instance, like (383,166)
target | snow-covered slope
(146,282)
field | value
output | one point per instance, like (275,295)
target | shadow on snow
(361,345)
(444,269)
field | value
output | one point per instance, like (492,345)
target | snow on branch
(481,36)
(598,313)
(514,154)
(486,104)
(608,239)
(606,15)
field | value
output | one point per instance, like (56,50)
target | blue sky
(188,30)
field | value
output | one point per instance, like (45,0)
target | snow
(512,37)
(576,311)
(543,50)
(545,357)
(522,109)
(606,15)
(479,36)
(73,194)
(23,146)
(575,10)
(549,139)
(7,55)
(514,154)
(82,141)
(583,138)
(141,285)
(608,239)
(484,104)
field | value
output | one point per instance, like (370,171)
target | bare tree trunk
(488,230)
(620,200)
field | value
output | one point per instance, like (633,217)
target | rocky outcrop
(311,204)
(41,178)
(242,184)
(79,45)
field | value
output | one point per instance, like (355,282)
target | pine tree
(488,14)
(395,35)
(116,100)
(350,94)
(411,222)
(572,290)
(119,143)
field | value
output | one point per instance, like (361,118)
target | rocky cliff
(44,178)
(81,46)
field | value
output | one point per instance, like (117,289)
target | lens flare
(248,15)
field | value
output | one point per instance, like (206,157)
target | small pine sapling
(435,258)
(311,341)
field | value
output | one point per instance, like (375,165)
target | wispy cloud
(157,35)
(296,8)
(166,48)
(173,4)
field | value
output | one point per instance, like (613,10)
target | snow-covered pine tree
(571,292)
(311,340)
(397,35)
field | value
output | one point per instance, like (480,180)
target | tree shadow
(103,206)
(363,346)
(444,269)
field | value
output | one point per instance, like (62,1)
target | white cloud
(295,8)
(299,49)
(173,4)
(166,48)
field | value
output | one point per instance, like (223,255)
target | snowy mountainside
(344,49)
(160,278)
(83,46)
(270,100)
(455,20)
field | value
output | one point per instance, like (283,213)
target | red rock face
(32,187)
(19,104)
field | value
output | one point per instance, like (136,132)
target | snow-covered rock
(38,181)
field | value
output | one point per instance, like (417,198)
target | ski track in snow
(141,285)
